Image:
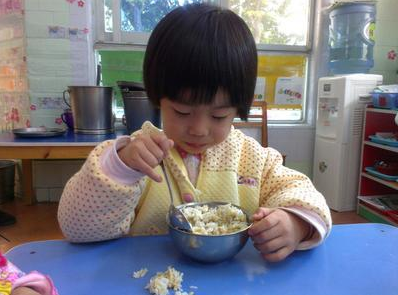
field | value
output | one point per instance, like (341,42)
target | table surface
(69,138)
(355,259)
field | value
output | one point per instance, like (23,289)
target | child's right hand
(145,152)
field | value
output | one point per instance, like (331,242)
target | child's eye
(181,113)
(219,118)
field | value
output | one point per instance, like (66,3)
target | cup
(67,118)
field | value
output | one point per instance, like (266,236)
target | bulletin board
(282,78)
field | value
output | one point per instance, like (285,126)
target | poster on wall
(289,90)
(259,91)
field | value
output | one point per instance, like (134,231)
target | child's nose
(199,128)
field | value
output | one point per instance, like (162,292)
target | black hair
(200,49)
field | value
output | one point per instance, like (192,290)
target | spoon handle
(167,181)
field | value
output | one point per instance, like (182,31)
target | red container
(387,168)
(385,100)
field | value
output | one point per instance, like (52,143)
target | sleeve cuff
(113,166)
(319,229)
(40,283)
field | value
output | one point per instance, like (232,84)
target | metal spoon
(176,217)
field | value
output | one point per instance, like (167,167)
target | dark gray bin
(137,107)
(7,180)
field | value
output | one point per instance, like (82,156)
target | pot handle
(63,118)
(63,95)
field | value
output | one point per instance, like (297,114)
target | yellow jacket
(239,170)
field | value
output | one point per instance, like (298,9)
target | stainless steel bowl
(209,249)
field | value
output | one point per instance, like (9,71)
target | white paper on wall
(259,91)
(289,90)
(56,32)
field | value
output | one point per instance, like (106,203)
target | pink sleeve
(38,282)
(319,228)
(17,278)
(114,168)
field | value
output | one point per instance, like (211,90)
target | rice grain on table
(140,273)
(162,281)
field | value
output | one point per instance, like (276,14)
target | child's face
(195,128)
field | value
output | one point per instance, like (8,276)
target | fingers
(272,234)
(261,213)
(145,152)
(148,170)
(266,235)
(273,247)
(277,255)
(164,143)
(263,220)
(155,147)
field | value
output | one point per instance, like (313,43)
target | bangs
(202,54)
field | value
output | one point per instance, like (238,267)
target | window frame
(119,39)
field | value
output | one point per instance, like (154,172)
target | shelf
(381,146)
(372,215)
(391,184)
(370,184)
(384,111)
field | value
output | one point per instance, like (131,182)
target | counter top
(69,138)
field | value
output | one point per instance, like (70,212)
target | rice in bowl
(215,221)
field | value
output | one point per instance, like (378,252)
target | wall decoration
(274,67)
(73,34)
(50,103)
(392,55)
(56,32)
(76,34)
(289,90)
(259,91)
(10,6)
(58,121)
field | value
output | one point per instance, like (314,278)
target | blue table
(357,259)
(67,146)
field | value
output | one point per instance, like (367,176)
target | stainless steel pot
(92,109)
(137,107)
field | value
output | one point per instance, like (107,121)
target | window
(281,29)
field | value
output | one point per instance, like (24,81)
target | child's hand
(276,233)
(145,152)
(24,291)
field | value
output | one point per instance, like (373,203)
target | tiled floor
(39,222)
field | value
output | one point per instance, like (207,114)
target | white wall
(58,53)
(386,36)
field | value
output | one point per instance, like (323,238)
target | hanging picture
(289,90)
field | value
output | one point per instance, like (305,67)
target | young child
(13,281)
(200,68)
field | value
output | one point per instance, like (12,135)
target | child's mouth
(195,145)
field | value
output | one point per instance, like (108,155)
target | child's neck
(183,153)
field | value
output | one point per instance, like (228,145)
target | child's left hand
(276,233)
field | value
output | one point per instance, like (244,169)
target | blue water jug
(351,38)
